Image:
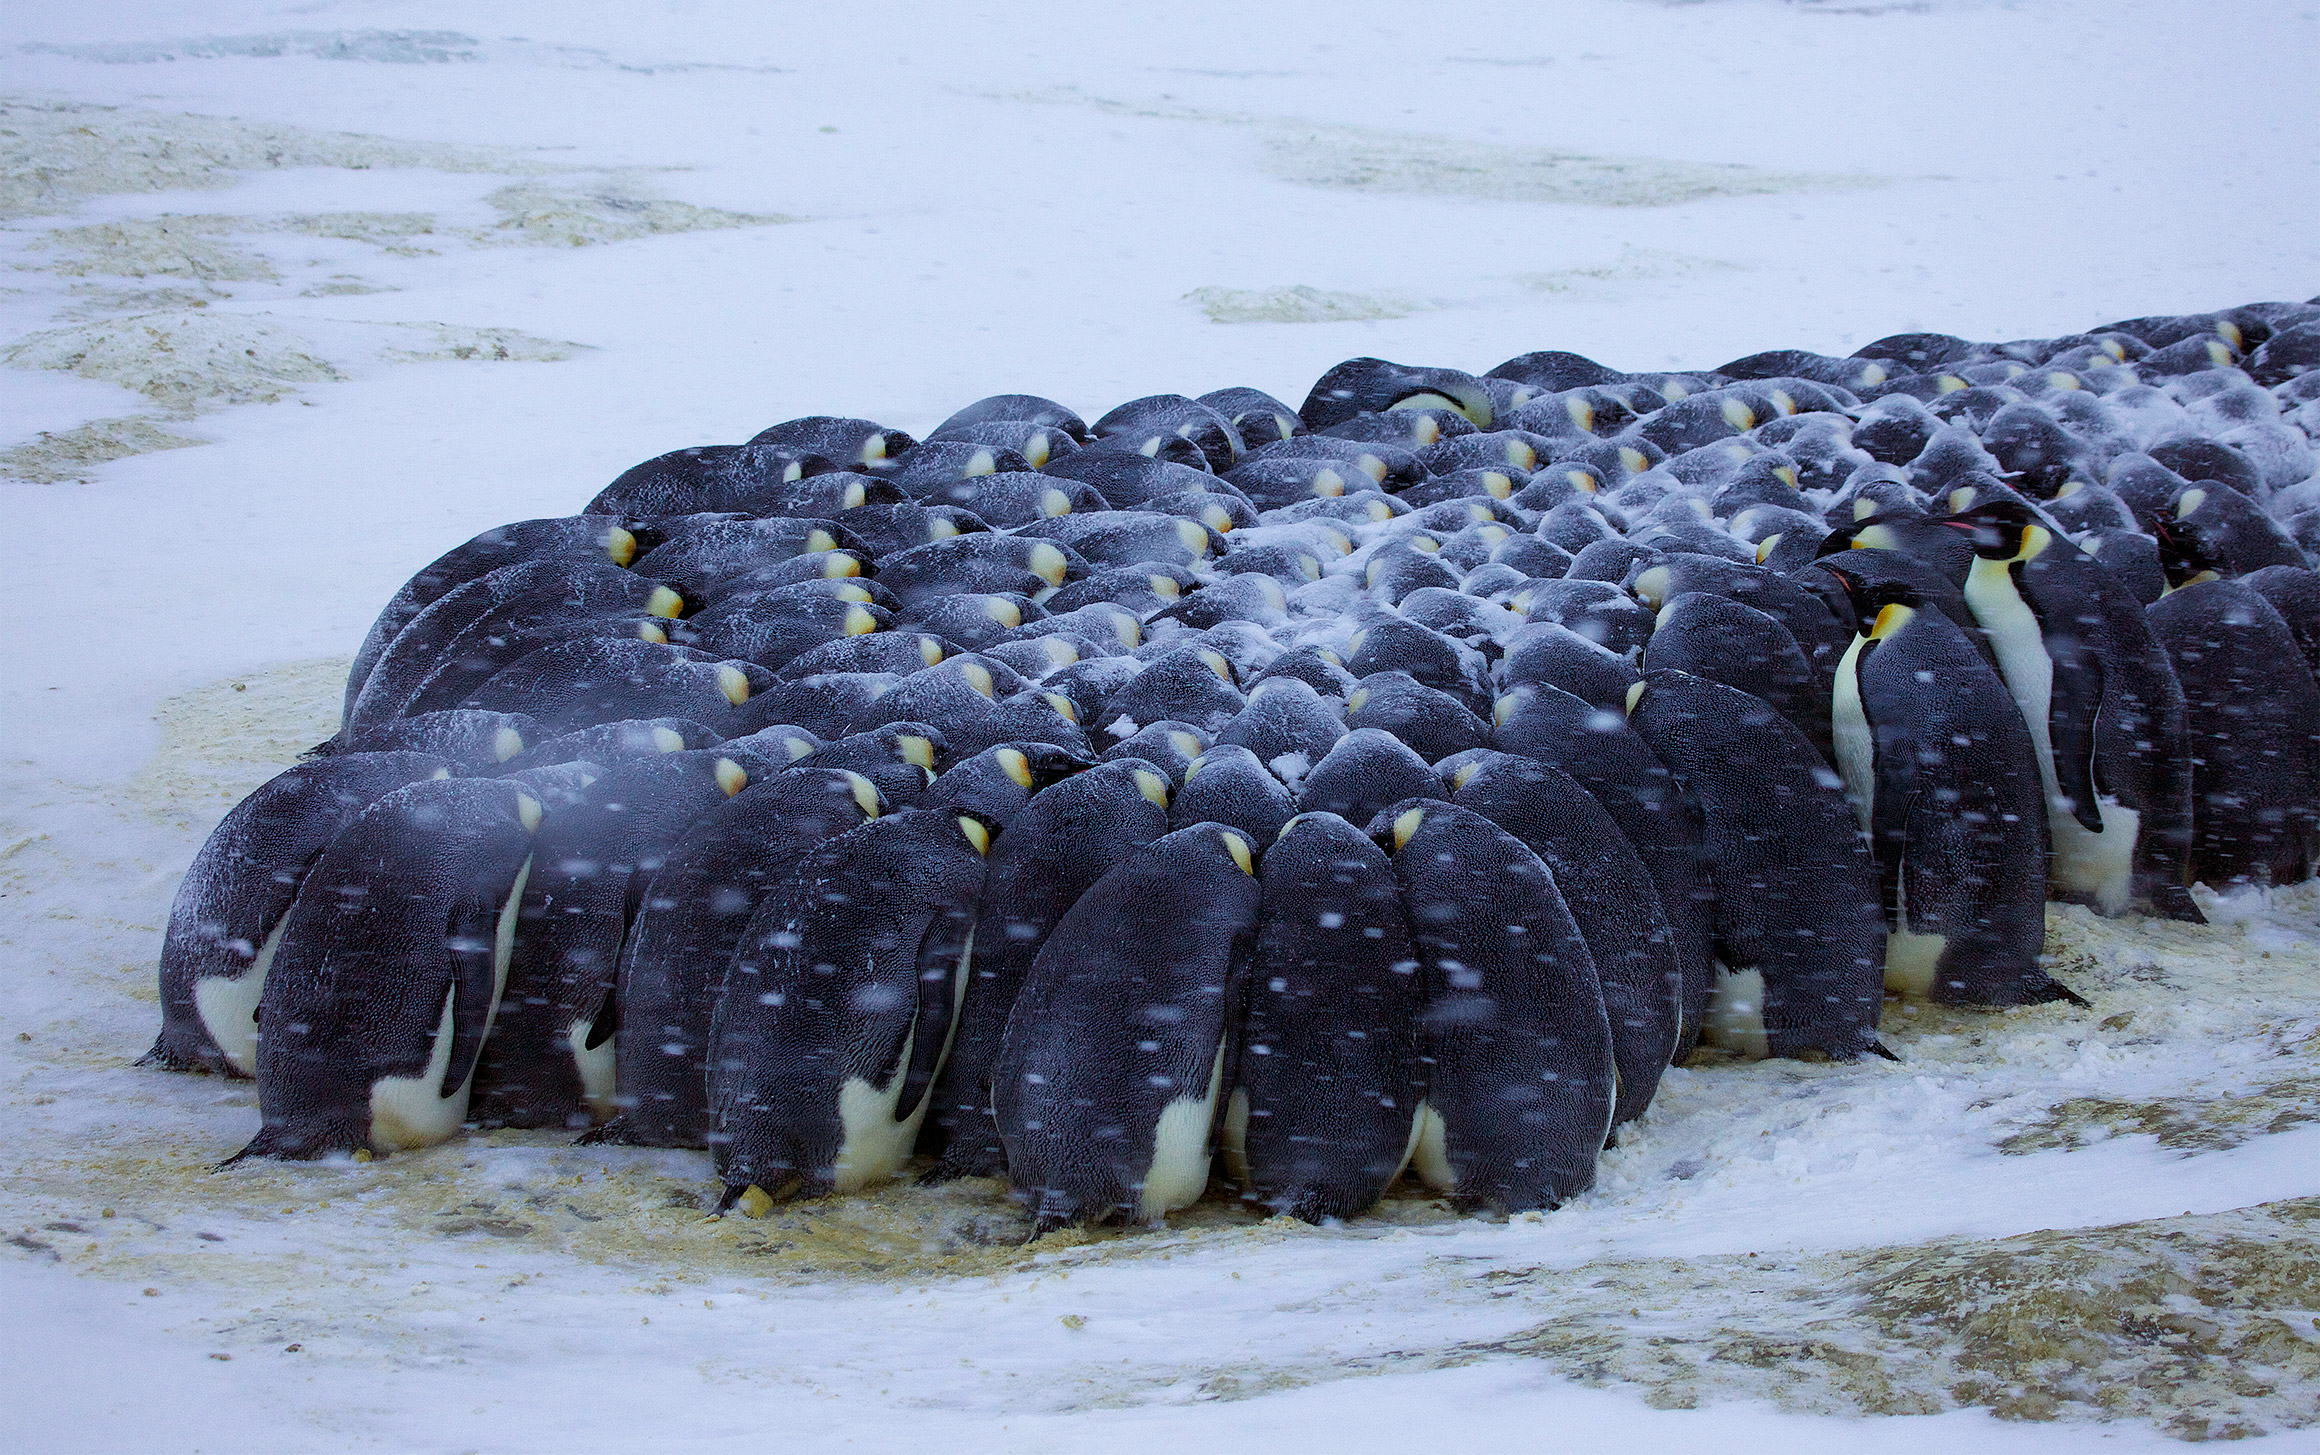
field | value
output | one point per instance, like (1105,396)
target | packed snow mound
(1297,303)
(54,457)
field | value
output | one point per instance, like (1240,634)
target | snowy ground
(303,294)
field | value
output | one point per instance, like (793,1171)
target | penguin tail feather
(168,1060)
(1057,1211)
(2174,901)
(1879,1049)
(327,748)
(613,1133)
(2054,990)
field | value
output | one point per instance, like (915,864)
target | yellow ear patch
(1152,786)
(1353,703)
(1048,564)
(1238,847)
(1064,707)
(838,567)
(1460,778)
(1014,765)
(528,809)
(978,677)
(857,495)
(1633,460)
(1892,618)
(1651,588)
(1406,827)
(1764,547)
(667,740)
(1002,611)
(1194,535)
(976,834)
(865,793)
(1217,664)
(1738,415)
(2189,501)
(1876,538)
(1054,503)
(798,747)
(850,593)
(1634,695)
(506,743)
(1581,412)
(1185,743)
(817,541)
(859,621)
(1328,484)
(734,683)
(647,632)
(620,545)
(731,776)
(664,602)
(915,750)
(930,650)
(1503,708)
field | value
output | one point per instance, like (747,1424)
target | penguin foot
(2174,901)
(168,1060)
(957,1163)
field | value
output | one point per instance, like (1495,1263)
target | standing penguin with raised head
(389,971)
(839,1006)
(1109,1079)
(1944,779)
(2103,706)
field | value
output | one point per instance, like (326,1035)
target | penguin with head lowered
(1797,926)
(1944,779)
(686,929)
(390,970)
(1609,893)
(1110,1076)
(552,1056)
(1319,1115)
(1065,840)
(2103,706)
(234,903)
(839,1007)
(1521,1083)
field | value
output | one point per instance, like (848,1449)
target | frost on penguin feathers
(1395,784)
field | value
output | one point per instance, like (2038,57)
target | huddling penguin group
(1397,782)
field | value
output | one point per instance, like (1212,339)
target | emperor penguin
(686,929)
(1111,1073)
(1797,926)
(839,1006)
(234,902)
(390,970)
(1521,1079)
(1944,779)
(1611,899)
(552,1055)
(2255,718)
(1054,850)
(1318,1120)
(2104,709)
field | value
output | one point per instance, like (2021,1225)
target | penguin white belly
(2012,629)
(1911,958)
(595,1067)
(1856,745)
(228,1005)
(409,1112)
(1179,1171)
(1233,1138)
(872,1143)
(1428,1153)
(2097,866)
(1736,1013)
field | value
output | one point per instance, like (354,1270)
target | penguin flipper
(2078,684)
(472,945)
(949,936)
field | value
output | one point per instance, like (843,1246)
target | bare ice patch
(1370,159)
(1298,303)
(54,154)
(51,458)
(375,47)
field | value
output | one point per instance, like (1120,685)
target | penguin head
(2183,547)
(2001,529)
(1881,605)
